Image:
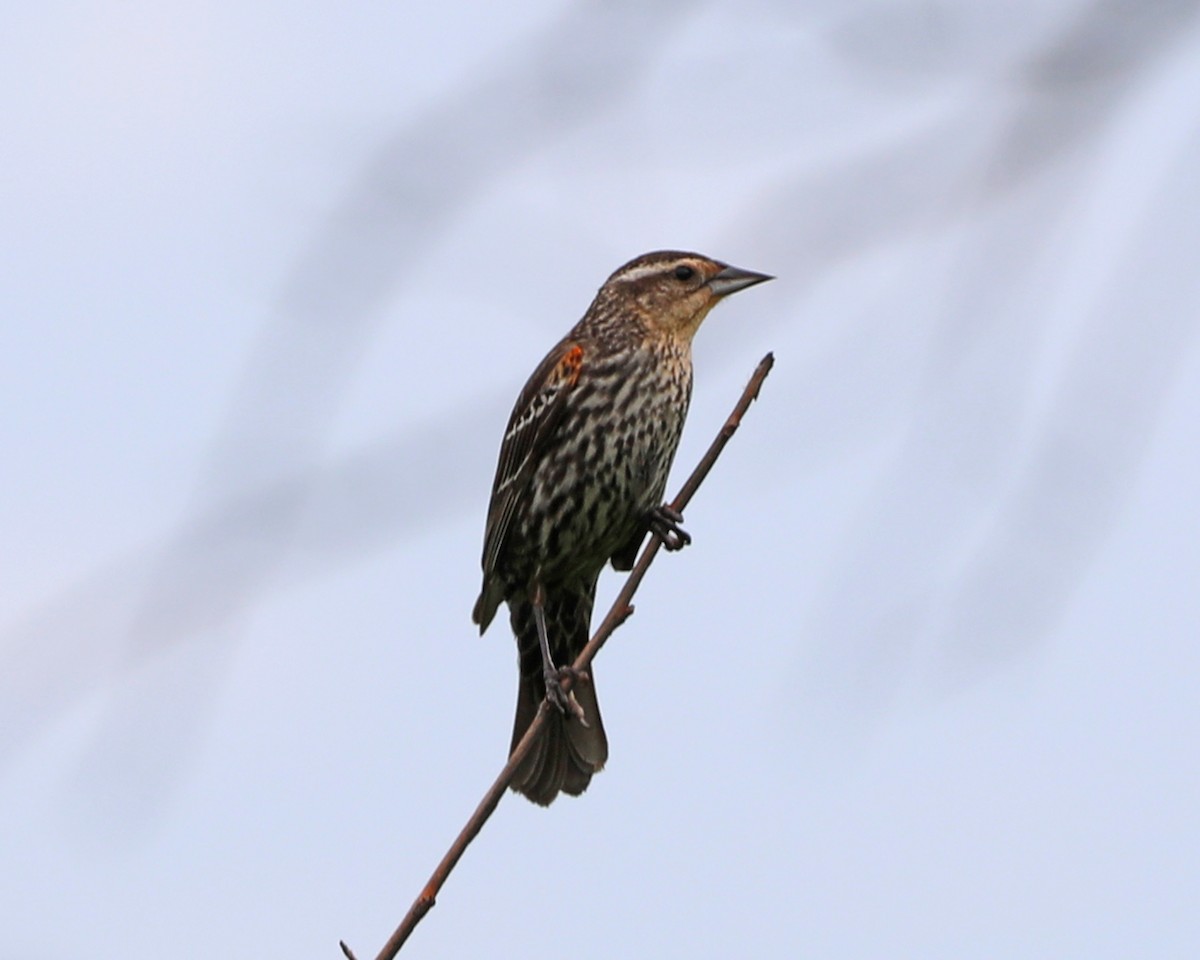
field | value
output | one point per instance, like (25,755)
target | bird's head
(673,291)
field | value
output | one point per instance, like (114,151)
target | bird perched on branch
(582,472)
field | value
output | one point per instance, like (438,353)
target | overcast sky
(271,275)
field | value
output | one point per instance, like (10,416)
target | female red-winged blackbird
(582,471)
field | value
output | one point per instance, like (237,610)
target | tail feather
(567,753)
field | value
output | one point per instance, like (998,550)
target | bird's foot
(665,524)
(563,700)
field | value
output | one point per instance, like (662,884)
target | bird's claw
(665,524)
(563,700)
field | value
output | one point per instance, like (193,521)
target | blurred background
(271,276)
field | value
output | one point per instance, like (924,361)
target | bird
(580,481)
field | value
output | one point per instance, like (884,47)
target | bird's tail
(568,751)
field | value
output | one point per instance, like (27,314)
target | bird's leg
(665,524)
(563,700)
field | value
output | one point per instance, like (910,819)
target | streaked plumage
(583,468)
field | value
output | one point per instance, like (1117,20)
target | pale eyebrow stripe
(646,269)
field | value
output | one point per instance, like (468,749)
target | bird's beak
(732,279)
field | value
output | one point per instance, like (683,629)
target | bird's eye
(684,272)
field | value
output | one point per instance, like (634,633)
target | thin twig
(617,614)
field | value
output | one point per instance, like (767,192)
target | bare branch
(617,614)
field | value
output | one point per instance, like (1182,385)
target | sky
(922,686)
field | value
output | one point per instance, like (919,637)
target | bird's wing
(534,418)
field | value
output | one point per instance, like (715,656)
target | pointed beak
(732,279)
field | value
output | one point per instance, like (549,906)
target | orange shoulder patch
(571,362)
